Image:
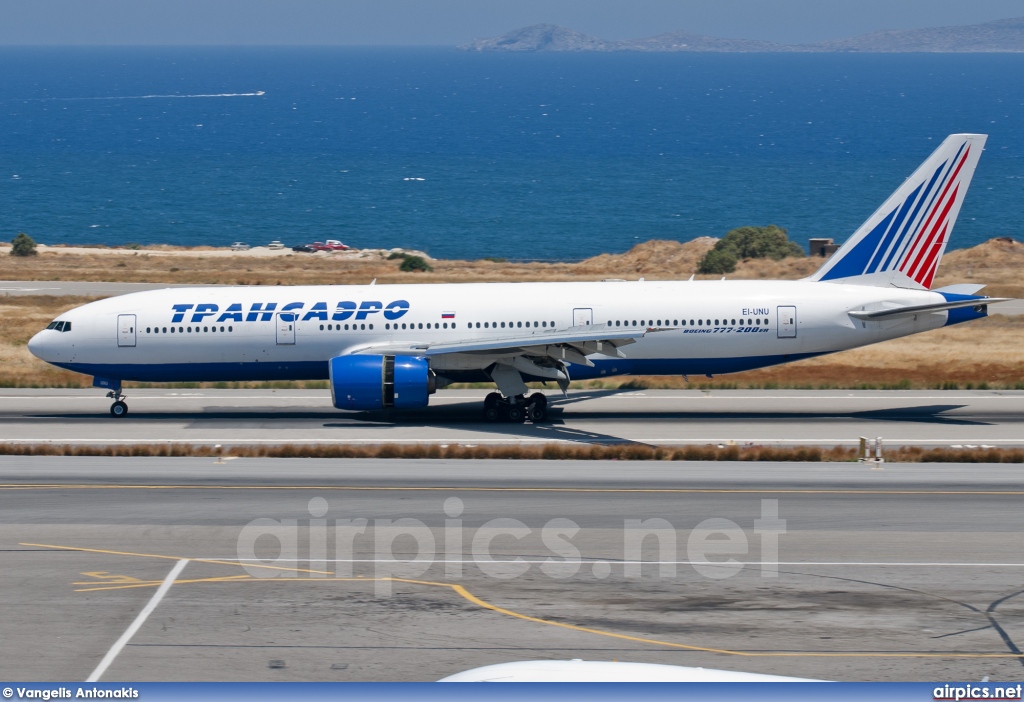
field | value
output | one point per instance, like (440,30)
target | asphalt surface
(658,418)
(913,572)
(31,287)
(80,288)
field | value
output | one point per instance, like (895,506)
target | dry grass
(997,262)
(554,452)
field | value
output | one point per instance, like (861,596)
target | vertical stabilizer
(902,242)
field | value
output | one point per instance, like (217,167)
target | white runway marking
(139,621)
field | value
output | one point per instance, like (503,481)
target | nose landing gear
(516,409)
(119,408)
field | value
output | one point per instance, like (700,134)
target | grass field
(983,354)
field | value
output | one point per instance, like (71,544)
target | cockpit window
(59,326)
(52,325)
(67,327)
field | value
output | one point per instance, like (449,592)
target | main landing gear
(517,409)
(119,408)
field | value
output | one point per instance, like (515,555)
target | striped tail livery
(901,244)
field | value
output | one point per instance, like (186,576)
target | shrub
(716,261)
(749,242)
(414,263)
(22,245)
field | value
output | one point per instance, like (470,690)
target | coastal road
(838,572)
(972,418)
(27,287)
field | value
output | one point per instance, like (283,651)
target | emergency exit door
(582,317)
(286,328)
(126,330)
(787,322)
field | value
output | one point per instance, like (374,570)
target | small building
(822,247)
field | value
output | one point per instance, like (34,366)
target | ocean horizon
(470,155)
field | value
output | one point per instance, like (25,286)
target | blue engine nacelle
(380,382)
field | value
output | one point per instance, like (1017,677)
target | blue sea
(523,156)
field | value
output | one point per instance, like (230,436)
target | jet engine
(379,382)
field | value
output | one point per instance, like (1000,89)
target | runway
(658,418)
(837,571)
(108,289)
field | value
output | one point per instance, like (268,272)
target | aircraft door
(787,322)
(126,330)
(582,317)
(286,328)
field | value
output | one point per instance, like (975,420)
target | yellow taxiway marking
(368,488)
(483,604)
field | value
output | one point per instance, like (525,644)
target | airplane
(578,670)
(392,346)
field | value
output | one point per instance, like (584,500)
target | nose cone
(44,345)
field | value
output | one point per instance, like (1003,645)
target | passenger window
(618,323)
(502,325)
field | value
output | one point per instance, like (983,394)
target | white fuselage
(263,333)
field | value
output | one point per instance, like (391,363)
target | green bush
(414,263)
(716,261)
(22,245)
(398,255)
(749,242)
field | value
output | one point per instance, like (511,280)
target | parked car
(335,245)
(275,245)
(304,248)
(239,246)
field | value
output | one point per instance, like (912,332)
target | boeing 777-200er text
(391,346)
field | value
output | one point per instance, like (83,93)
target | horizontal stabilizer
(912,310)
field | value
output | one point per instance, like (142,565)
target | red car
(329,245)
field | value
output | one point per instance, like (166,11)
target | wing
(573,344)
(537,353)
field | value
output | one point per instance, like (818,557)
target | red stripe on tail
(938,204)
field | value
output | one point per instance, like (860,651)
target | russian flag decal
(447,315)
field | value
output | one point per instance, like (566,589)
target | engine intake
(380,382)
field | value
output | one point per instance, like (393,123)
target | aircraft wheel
(491,414)
(119,409)
(538,412)
(539,398)
(492,399)
(516,414)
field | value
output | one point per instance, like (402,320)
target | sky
(452,22)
